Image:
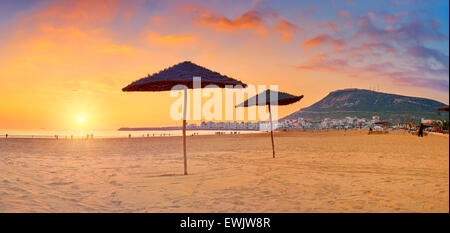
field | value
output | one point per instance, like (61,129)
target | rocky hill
(366,103)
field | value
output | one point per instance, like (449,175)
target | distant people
(92,136)
(6,135)
(420,134)
(129,135)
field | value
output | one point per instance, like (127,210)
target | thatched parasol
(283,99)
(445,108)
(182,73)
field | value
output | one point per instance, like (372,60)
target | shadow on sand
(164,175)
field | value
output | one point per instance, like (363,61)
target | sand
(313,172)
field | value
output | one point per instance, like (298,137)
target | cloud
(413,32)
(323,61)
(397,54)
(286,29)
(84,12)
(394,18)
(345,14)
(372,15)
(329,25)
(154,37)
(248,20)
(418,76)
(408,79)
(322,39)
(405,3)
(63,39)
(259,21)
(427,53)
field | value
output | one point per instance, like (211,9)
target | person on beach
(420,134)
(6,135)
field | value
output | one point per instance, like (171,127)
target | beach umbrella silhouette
(264,98)
(182,74)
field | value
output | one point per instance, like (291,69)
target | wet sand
(333,171)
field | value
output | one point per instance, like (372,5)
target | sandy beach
(333,171)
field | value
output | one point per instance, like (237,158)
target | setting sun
(81,120)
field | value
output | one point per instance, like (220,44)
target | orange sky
(62,60)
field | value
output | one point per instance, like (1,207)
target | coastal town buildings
(299,123)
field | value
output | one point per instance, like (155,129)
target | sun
(81,120)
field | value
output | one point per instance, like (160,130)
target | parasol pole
(184,131)
(271,132)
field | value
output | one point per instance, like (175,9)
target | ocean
(81,134)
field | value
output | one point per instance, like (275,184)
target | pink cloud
(248,20)
(286,29)
(257,21)
(345,14)
(323,39)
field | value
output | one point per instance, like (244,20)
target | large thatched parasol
(182,73)
(445,108)
(278,98)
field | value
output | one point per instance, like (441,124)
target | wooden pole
(184,131)
(271,132)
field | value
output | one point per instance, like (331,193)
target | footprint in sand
(116,202)
(115,183)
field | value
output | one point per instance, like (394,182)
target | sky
(62,60)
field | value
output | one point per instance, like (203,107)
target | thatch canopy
(445,108)
(283,99)
(182,73)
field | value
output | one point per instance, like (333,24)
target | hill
(366,103)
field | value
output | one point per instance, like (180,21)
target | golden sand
(333,171)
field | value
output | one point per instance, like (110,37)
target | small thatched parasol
(182,73)
(441,109)
(282,99)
